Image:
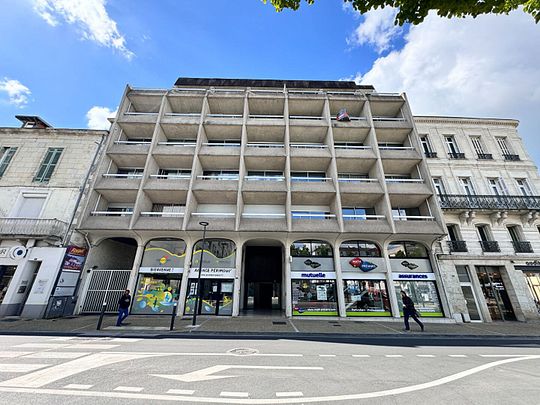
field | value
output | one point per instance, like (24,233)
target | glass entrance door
(495,294)
(216,297)
(6,274)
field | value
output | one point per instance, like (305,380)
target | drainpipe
(81,190)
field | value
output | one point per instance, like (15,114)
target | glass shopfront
(366,298)
(160,275)
(495,294)
(533,281)
(217,278)
(314,297)
(424,294)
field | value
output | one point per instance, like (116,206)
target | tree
(415,11)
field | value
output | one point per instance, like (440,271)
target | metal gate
(105,286)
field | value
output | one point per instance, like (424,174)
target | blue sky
(60,61)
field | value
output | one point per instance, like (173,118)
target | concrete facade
(489,190)
(36,214)
(267,164)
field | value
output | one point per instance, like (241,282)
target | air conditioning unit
(17,252)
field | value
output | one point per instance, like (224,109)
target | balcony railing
(161,214)
(32,227)
(265,145)
(511,157)
(264,178)
(485,156)
(431,154)
(456,155)
(457,246)
(489,202)
(413,218)
(362,217)
(521,246)
(490,246)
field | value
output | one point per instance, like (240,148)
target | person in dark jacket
(123,307)
(409,311)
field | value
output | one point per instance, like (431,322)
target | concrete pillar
(237,280)
(132,283)
(339,282)
(288,285)
(185,278)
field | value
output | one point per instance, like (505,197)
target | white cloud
(97,117)
(90,17)
(17,92)
(488,67)
(377,29)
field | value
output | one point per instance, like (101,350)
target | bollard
(173,317)
(100,320)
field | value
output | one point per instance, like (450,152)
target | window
(31,205)
(48,165)
(218,248)
(424,295)
(169,210)
(439,186)
(483,233)
(267,175)
(357,212)
(426,145)
(451,145)
(467,185)
(497,186)
(407,249)
(130,172)
(453,233)
(402,214)
(220,174)
(123,210)
(306,248)
(6,154)
(352,176)
(359,248)
(514,233)
(308,176)
(504,146)
(174,173)
(314,297)
(522,184)
(477,145)
(366,298)
(164,253)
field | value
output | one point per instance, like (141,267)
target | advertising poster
(74,258)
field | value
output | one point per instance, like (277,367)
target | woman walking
(409,311)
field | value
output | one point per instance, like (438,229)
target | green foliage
(415,11)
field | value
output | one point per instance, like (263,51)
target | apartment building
(310,211)
(43,172)
(489,191)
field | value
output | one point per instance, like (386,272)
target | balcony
(512,158)
(521,246)
(489,202)
(490,246)
(485,156)
(431,154)
(456,155)
(456,246)
(32,227)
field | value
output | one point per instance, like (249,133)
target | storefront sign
(362,264)
(159,270)
(312,263)
(411,264)
(413,276)
(313,274)
(74,258)
(4,252)
(212,273)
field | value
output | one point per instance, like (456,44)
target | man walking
(123,307)
(409,311)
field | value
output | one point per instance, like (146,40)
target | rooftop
(298,84)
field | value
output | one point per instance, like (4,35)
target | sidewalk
(256,326)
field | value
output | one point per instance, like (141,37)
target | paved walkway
(259,325)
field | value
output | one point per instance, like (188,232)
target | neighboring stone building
(43,172)
(308,214)
(489,190)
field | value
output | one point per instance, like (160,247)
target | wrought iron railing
(32,227)
(511,157)
(489,202)
(457,246)
(431,154)
(456,155)
(490,246)
(521,246)
(485,156)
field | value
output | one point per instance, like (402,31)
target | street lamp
(198,297)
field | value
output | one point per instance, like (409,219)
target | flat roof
(298,84)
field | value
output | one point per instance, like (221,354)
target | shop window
(424,295)
(308,248)
(314,297)
(359,248)
(366,298)
(407,249)
(220,248)
(164,254)
(156,294)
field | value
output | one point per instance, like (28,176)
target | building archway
(263,276)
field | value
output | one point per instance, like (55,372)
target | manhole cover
(243,351)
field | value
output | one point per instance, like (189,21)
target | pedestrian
(409,311)
(123,307)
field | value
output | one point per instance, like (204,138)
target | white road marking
(425,355)
(78,386)
(69,368)
(125,340)
(129,389)
(218,354)
(205,373)
(11,354)
(457,355)
(181,392)
(294,326)
(393,355)
(327,355)
(43,345)
(360,355)
(234,394)
(503,355)
(20,368)
(265,401)
(289,394)
(56,355)
(87,346)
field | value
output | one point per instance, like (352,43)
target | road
(52,370)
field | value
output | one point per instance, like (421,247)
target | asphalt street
(108,370)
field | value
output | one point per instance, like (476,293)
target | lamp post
(199,289)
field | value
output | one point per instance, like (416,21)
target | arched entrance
(262,285)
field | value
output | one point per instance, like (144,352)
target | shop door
(216,297)
(262,278)
(533,281)
(494,290)
(6,274)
